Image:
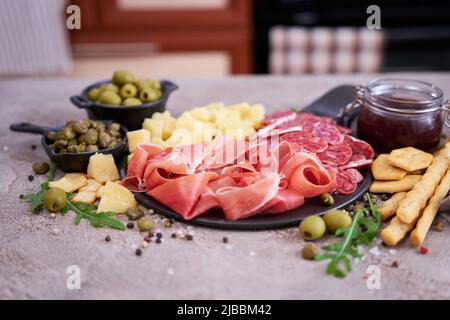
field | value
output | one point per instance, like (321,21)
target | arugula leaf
(37,199)
(362,231)
(97,220)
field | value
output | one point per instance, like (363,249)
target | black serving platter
(70,161)
(327,105)
(129,116)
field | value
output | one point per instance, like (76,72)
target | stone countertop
(253,265)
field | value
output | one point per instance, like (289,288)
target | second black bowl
(129,116)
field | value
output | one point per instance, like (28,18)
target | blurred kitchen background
(214,38)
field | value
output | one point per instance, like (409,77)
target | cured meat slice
(182,194)
(336,154)
(344,183)
(355,175)
(357,161)
(306,141)
(359,147)
(328,132)
(286,199)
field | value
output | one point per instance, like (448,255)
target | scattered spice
(52,215)
(21,196)
(189,237)
(168,224)
(130,225)
(310,251)
(144,244)
(108,238)
(151,211)
(30,178)
(438,224)
(158,240)
(394,264)
(159,235)
(147,239)
(33,147)
(225,240)
(138,252)
(144,224)
(151,234)
(423,250)
(174,235)
(55,231)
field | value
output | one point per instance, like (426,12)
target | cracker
(410,159)
(389,207)
(382,169)
(405,184)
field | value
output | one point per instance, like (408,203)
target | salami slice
(357,161)
(345,183)
(336,154)
(355,175)
(306,141)
(327,132)
(270,118)
(359,147)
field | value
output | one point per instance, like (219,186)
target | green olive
(122,77)
(335,219)
(94,93)
(154,84)
(148,94)
(132,102)
(144,224)
(41,167)
(128,91)
(109,97)
(312,228)
(109,87)
(55,200)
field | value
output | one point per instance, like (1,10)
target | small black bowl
(129,116)
(71,161)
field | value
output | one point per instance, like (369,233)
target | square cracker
(382,169)
(410,159)
(405,184)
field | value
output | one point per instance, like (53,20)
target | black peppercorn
(158,240)
(21,196)
(174,235)
(138,252)
(33,147)
(225,240)
(108,238)
(30,178)
(159,235)
(130,225)
(189,237)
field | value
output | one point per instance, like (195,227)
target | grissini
(395,231)
(389,207)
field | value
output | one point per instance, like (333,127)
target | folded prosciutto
(243,178)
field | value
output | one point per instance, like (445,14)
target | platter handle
(29,127)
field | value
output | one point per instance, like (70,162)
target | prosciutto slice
(241,178)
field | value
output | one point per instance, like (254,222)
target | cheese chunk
(85,196)
(102,168)
(116,198)
(136,138)
(70,182)
(92,185)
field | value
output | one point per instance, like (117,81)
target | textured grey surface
(258,265)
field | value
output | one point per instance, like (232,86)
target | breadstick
(389,207)
(416,199)
(395,231)
(423,225)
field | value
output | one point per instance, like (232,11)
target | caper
(41,167)
(134,213)
(115,126)
(122,77)
(144,224)
(52,135)
(148,94)
(60,144)
(94,93)
(128,91)
(72,142)
(109,87)
(100,127)
(81,127)
(91,148)
(312,228)
(335,219)
(55,200)
(310,251)
(327,199)
(104,139)
(114,133)
(89,137)
(109,97)
(132,102)
(113,143)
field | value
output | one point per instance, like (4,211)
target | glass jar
(396,113)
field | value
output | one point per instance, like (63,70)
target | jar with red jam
(395,113)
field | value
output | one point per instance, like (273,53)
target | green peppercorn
(144,224)
(327,199)
(310,251)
